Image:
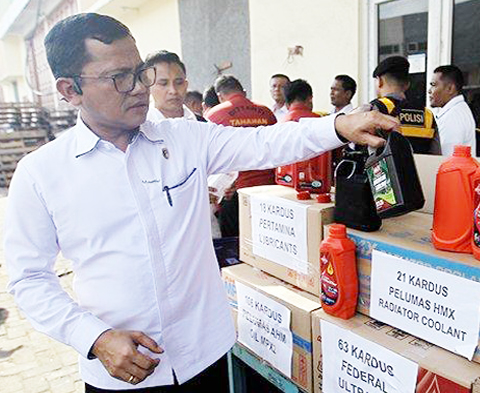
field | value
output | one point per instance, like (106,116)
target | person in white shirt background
(277,83)
(126,200)
(341,93)
(170,87)
(456,125)
(169,92)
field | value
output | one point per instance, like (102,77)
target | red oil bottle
(338,273)
(452,214)
(313,175)
(476,214)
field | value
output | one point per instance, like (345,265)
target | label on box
(353,364)
(441,308)
(264,328)
(279,231)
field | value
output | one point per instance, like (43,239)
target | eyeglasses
(125,82)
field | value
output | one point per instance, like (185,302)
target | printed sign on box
(279,231)
(353,364)
(439,307)
(264,327)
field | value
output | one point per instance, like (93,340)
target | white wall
(329,32)
(155,24)
(12,68)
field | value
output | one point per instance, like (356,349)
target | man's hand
(117,350)
(360,127)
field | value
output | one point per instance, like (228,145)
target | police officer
(417,124)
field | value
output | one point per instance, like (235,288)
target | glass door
(403,30)
(466,51)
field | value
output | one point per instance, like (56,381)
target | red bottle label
(329,280)
(476,217)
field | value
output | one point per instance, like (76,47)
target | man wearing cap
(417,124)
(456,124)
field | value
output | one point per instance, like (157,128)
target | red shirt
(298,110)
(239,111)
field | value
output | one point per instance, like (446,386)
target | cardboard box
(440,371)
(407,237)
(427,168)
(318,214)
(300,303)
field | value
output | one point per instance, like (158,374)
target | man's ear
(452,89)
(381,81)
(69,90)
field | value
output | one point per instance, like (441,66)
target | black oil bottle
(354,205)
(393,177)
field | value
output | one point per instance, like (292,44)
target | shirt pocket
(173,192)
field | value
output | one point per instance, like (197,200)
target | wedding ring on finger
(131,379)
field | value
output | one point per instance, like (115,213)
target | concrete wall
(328,31)
(214,32)
(154,24)
(12,69)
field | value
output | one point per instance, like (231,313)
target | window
(466,50)
(403,30)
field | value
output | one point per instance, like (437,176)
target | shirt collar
(450,104)
(298,106)
(155,115)
(86,139)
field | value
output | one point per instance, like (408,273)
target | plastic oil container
(454,205)
(354,205)
(393,178)
(313,175)
(338,270)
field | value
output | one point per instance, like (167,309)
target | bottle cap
(461,151)
(303,195)
(338,230)
(324,198)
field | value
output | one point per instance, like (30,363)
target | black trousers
(212,379)
(228,216)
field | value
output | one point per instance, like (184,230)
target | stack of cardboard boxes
(274,296)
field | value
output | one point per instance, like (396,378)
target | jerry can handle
(354,167)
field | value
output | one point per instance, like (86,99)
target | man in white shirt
(341,93)
(456,125)
(126,200)
(170,87)
(277,83)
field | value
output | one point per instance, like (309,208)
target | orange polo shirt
(239,111)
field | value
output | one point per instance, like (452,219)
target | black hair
(280,76)
(452,74)
(164,56)
(227,84)
(398,78)
(193,96)
(210,98)
(348,83)
(297,90)
(65,42)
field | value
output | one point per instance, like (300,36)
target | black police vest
(417,125)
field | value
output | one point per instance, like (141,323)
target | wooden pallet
(15,145)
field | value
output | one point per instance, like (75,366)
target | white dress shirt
(155,115)
(456,126)
(136,226)
(346,109)
(279,112)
